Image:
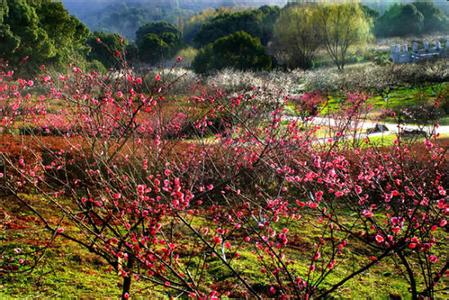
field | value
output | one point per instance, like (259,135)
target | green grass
(290,109)
(69,271)
(404,97)
(397,98)
(66,271)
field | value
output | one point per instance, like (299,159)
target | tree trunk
(127,280)
(413,288)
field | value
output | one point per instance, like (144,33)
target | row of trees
(43,32)
(250,39)
(420,17)
(292,36)
(302,30)
(224,37)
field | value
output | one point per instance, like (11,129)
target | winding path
(363,125)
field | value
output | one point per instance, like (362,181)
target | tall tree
(39,32)
(8,42)
(296,39)
(435,20)
(193,25)
(157,28)
(62,28)
(342,26)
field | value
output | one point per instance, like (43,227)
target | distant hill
(125,17)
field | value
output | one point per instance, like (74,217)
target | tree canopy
(192,26)
(295,37)
(107,48)
(420,17)
(341,27)
(157,41)
(239,50)
(435,20)
(39,32)
(400,20)
(257,22)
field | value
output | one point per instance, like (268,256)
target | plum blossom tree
(139,200)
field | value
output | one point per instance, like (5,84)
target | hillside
(125,17)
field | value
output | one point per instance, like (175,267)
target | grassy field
(67,271)
(393,99)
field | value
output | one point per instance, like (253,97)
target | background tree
(400,20)
(8,42)
(193,25)
(157,41)
(62,29)
(257,22)
(108,48)
(126,16)
(132,53)
(225,24)
(239,50)
(435,20)
(39,32)
(296,39)
(370,13)
(152,49)
(157,28)
(342,26)
(270,15)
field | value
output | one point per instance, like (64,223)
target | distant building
(402,54)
